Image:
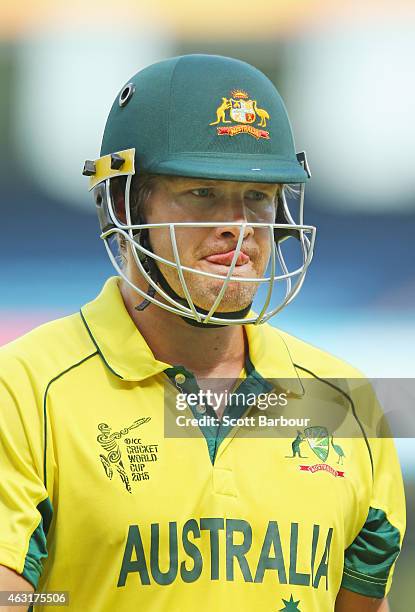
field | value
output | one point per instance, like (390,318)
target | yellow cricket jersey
(97,498)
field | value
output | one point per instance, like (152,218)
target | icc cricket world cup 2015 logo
(109,442)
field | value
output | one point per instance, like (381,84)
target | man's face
(210,249)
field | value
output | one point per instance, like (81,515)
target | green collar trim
(253,384)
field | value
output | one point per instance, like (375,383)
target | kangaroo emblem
(296,446)
(221,112)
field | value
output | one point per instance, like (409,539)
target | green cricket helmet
(210,117)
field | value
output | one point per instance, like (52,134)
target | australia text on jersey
(220,548)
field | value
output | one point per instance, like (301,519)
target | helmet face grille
(282,276)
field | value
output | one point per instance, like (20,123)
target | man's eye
(258,196)
(202,192)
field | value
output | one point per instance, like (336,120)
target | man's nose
(233,211)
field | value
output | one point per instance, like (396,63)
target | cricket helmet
(209,117)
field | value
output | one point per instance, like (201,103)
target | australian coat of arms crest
(318,439)
(242,111)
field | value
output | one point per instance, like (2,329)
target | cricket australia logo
(319,441)
(243,111)
(110,441)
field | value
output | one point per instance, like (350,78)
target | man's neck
(211,352)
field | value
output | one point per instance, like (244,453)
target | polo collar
(117,339)
(126,353)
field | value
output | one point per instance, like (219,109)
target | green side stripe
(37,545)
(369,559)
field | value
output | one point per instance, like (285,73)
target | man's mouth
(225,259)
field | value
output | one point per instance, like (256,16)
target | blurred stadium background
(346,74)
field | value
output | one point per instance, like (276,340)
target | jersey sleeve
(370,559)
(25,508)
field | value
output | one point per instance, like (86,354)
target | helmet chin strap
(158,277)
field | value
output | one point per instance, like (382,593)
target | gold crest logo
(244,112)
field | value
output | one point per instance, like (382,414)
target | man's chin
(237,297)
(233,301)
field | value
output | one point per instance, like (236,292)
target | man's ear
(118,197)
